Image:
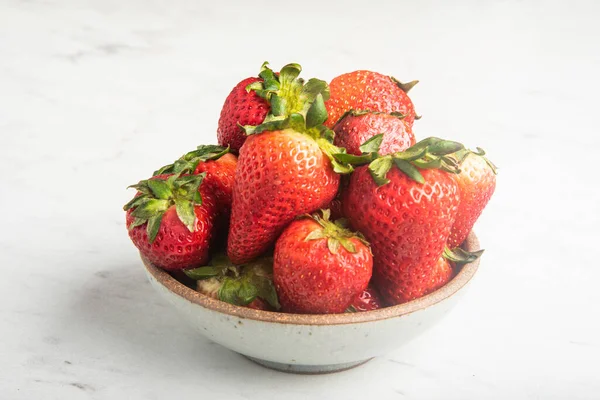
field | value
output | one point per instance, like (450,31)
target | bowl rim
(458,282)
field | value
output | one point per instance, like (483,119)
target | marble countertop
(95,94)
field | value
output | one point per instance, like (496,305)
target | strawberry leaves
(336,233)
(287,94)
(299,106)
(460,256)
(155,196)
(239,284)
(429,153)
(188,163)
(379,169)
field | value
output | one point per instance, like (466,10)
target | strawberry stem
(460,256)
(336,233)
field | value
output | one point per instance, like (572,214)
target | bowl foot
(307,369)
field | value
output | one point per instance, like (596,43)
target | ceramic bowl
(311,343)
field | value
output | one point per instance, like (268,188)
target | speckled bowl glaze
(311,344)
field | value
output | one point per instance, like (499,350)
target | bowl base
(307,369)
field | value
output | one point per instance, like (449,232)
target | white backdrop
(95,94)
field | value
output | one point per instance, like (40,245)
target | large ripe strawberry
(286,168)
(368,300)
(476,184)
(171,219)
(356,127)
(367,90)
(269,97)
(280,175)
(405,207)
(250,285)
(219,166)
(319,266)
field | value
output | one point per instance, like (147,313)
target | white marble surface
(95,94)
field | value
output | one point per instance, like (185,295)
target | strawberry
(367,90)
(250,285)
(171,219)
(280,175)
(254,101)
(356,127)
(319,266)
(405,205)
(219,166)
(242,107)
(286,168)
(368,300)
(441,274)
(476,183)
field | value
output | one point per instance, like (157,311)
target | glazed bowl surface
(305,343)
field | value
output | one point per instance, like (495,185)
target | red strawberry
(406,213)
(476,183)
(366,90)
(356,127)
(219,166)
(242,107)
(250,285)
(171,220)
(280,175)
(368,300)
(220,176)
(319,266)
(272,96)
(442,273)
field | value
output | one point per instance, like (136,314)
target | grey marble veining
(94,95)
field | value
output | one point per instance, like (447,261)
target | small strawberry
(368,300)
(255,101)
(405,205)
(219,166)
(441,274)
(356,127)
(171,219)
(476,184)
(242,107)
(286,168)
(250,285)
(367,90)
(319,266)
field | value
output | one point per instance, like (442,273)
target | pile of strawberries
(318,198)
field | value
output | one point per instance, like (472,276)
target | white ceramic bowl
(311,343)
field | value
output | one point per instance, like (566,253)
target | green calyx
(239,284)
(287,94)
(358,113)
(299,106)
(336,233)
(430,153)
(158,195)
(462,155)
(460,256)
(187,163)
